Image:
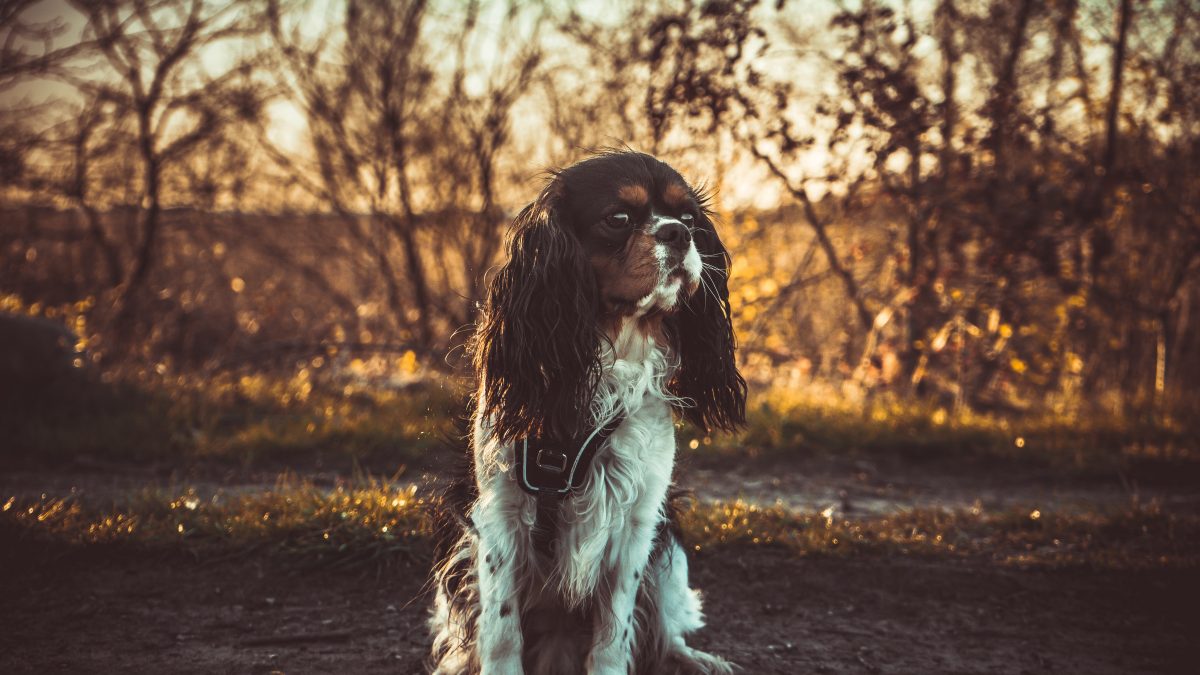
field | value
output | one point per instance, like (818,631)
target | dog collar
(545,466)
(550,471)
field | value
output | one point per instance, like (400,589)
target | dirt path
(862,487)
(768,611)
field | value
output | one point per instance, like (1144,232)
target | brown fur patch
(676,196)
(652,325)
(634,195)
(627,278)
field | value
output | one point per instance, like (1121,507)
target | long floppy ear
(537,344)
(703,333)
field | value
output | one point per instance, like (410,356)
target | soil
(97,611)
(100,610)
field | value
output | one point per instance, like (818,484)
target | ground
(768,611)
(119,609)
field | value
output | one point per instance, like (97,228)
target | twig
(819,228)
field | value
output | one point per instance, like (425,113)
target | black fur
(451,506)
(702,331)
(539,337)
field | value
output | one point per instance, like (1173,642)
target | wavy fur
(587,320)
(707,377)
(538,340)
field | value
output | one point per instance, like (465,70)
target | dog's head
(616,238)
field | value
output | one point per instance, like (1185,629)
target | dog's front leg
(613,645)
(500,641)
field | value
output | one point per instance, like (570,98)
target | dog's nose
(674,234)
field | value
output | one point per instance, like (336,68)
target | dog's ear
(707,378)
(537,343)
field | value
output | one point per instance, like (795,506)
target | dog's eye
(687,218)
(618,221)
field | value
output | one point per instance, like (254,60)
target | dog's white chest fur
(625,489)
(626,485)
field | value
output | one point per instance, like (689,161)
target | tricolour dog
(610,315)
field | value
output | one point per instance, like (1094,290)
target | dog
(610,317)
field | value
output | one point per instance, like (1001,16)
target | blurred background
(951,212)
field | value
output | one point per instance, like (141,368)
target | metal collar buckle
(551,460)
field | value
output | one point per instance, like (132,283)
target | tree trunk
(415,269)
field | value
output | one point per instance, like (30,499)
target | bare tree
(152,51)
(27,45)
(406,153)
(28,50)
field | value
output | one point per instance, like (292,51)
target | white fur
(692,264)
(605,533)
(666,293)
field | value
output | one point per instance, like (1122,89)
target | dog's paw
(695,662)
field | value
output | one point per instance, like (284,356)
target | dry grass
(373,521)
(227,417)
(336,414)
(1131,538)
(376,521)
(781,421)
(337,404)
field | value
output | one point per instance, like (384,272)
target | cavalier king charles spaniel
(610,315)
